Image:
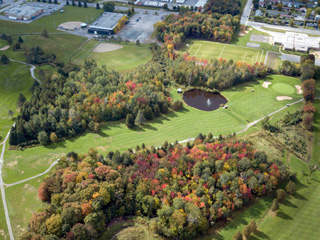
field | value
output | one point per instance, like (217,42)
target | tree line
(175,29)
(183,190)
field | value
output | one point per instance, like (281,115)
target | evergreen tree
(4,59)
(130,120)
(291,188)
(55,1)
(20,40)
(253,226)
(79,4)
(21,100)
(164,108)
(98,6)
(68,3)
(156,110)
(50,1)
(85,5)
(148,114)
(140,119)
(73,3)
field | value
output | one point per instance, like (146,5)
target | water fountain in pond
(203,100)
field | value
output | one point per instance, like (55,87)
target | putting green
(283,88)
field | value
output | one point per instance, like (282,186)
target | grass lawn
(14,79)
(128,57)
(316,135)
(210,50)
(22,201)
(254,105)
(63,46)
(52,21)
(173,126)
(3,224)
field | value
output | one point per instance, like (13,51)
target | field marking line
(198,50)
(244,56)
(266,58)
(261,55)
(189,49)
(221,51)
(257,56)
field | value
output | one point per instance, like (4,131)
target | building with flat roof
(24,12)
(105,23)
(296,41)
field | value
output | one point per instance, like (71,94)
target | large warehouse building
(105,23)
(24,12)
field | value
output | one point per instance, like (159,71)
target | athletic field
(210,50)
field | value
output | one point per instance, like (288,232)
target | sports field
(210,50)
(128,57)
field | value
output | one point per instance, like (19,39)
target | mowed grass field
(128,57)
(3,224)
(14,79)
(211,50)
(188,123)
(20,211)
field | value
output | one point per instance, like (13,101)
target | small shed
(179,90)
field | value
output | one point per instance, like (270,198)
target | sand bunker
(266,84)
(4,48)
(281,98)
(106,47)
(70,25)
(298,87)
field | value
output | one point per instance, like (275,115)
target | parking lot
(140,26)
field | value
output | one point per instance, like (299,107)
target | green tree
(73,3)
(148,114)
(275,205)
(130,120)
(54,224)
(79,4)
(68,3)
(253,226)
(4,59)
(21,100)
(55,1)
(156,110)
(10,113)
(138,42)
(98,6)
(20,40)
(291,188)
(109,6)
(140,119)
(43,138)
(247,231)
(85,5)
(45,33)
(281,195)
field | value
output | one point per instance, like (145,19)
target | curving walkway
(33,67)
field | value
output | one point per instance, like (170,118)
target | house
(299,18)
(317,18)
(285,16)
(261,3)
(303,10)
(259,13)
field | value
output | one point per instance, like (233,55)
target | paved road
(246,13)
(33,67)
(3,194)
(259,26)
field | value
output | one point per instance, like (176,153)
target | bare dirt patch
(281,98)
(70,25)
(266,84)
(298,87)
(101,148)
(12,164)
(4,48)
(106,47)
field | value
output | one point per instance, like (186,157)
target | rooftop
(107,21)
(24,10)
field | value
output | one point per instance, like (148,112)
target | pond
(202,100)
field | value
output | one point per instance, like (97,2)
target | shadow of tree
(283,215)
(289,204)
